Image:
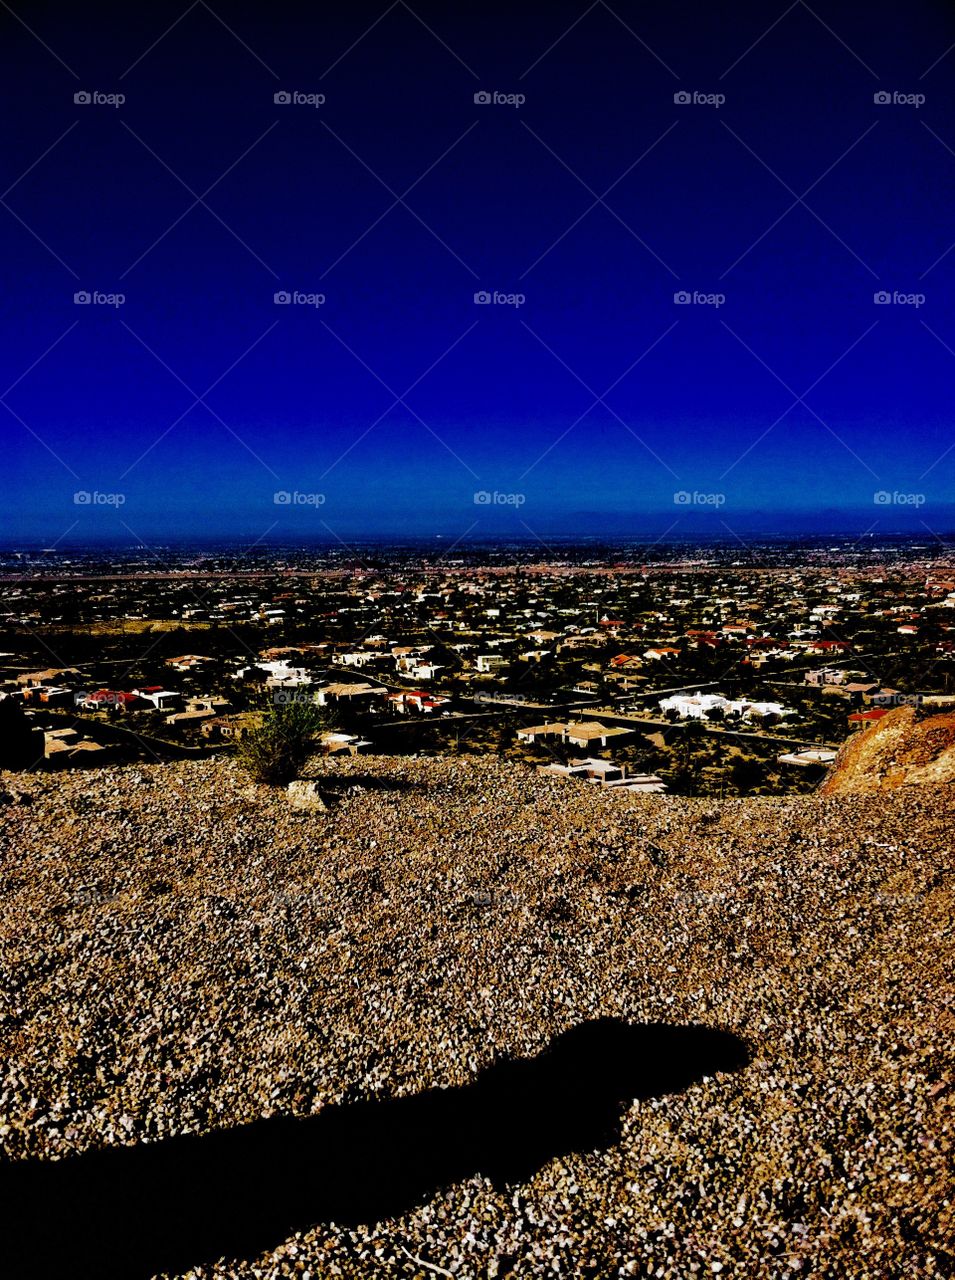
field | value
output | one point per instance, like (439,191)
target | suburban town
(698,672)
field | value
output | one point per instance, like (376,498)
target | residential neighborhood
(696,671)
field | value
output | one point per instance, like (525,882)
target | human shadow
(126,1213)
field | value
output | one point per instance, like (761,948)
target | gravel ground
(181,951)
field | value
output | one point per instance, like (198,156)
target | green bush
(275,752)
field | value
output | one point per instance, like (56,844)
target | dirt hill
(902,749)
(471,1022)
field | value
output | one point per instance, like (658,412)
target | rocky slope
(904,748)
(182,953)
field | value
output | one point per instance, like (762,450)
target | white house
(279,672)
(489,662)
(699,706)
(161,699)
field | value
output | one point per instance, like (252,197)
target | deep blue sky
(696,213)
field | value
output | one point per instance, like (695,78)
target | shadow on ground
(341,784)
(126,1213)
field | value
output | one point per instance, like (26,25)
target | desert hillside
(904,748)
(183,953)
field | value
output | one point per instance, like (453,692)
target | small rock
(305,794)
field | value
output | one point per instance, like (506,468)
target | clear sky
(783,393)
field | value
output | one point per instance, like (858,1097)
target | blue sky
(783,386)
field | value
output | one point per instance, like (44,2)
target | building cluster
(707,639)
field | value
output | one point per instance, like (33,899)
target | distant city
(693,668)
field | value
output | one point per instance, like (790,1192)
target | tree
(276,750)
(746,774)
(17,747)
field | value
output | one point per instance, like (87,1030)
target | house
(352,695)
(866,719)
(187,662)
(571,643)
(344,744)
(606,773)
(47,677)
(661,653)
(809,758)
(412,668)
(65,737)
(693,707)
(424,703)
(356,658)
(863,689)
(277,673)
(825,675)
(217,706)
(400,651)
(700,706)
(542,732)
(184,719)
(110,699)
(490,662)
(625,662)
(159,698)
(590,733)
(234,727)
(48,695)
(543,637)
(647,783)
(87,753)
(534,655)
(587,686)
(591,769)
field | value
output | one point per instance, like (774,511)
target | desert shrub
(275,751)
